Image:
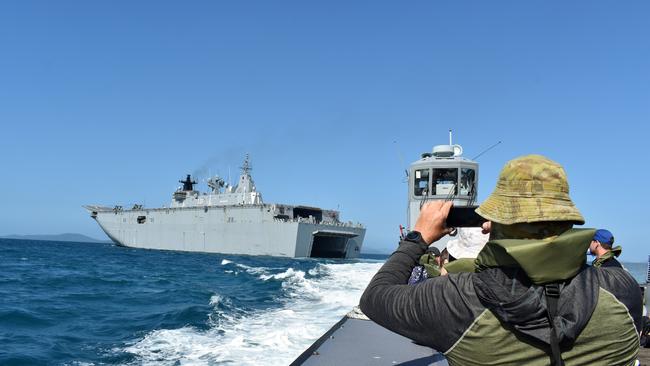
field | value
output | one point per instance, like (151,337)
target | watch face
(413,235)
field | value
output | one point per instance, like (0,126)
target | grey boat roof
(354,341)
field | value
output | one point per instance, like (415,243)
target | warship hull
(246,229)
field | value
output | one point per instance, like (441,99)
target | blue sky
(113,102)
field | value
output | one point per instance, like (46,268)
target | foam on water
(216,299)
(312,303)
(252,270)
(246,268)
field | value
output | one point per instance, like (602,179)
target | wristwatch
(415,237)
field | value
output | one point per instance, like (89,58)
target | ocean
(64,303)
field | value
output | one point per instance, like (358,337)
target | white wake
(271,337)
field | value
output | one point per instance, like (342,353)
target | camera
(464,216)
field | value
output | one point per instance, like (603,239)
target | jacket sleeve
(433,313)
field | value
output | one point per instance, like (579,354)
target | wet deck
(644,356)
(363,342)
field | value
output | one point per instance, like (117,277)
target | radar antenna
(246,167)
(216,183)
(188,183)
(486,150)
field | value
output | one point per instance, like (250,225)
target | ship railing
(348,224)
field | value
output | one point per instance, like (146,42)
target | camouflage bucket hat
(530,188)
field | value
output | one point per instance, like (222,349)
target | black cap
(433,250)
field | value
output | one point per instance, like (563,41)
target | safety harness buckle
(552,290)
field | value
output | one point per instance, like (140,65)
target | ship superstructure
(443,174)
(232,220)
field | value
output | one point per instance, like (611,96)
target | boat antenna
(486,150)
(450,144)
(401,158)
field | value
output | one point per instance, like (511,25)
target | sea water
(68,303)
(65,303)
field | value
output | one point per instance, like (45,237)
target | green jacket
(428,260)
(498,315)
(609,256)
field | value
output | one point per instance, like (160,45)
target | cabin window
(421,182)
(467,181)
(445,181)
(142,219)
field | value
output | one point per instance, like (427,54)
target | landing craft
(231,220)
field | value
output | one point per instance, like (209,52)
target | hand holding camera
(431,222)
(439,218)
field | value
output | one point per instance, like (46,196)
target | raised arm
(427,312)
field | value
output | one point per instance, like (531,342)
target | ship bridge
(442,174)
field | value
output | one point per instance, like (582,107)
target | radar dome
(447,151)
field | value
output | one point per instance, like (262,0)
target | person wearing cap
(429,266)
(463,250)
(532,299)
(602,247)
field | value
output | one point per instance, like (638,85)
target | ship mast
(246,167)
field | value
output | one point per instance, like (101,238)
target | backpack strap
(552,292)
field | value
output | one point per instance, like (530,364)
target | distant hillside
(58,237)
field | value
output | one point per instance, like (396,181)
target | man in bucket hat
(531,270)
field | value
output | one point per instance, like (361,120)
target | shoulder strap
(552,291)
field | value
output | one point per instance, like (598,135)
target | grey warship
(231,220)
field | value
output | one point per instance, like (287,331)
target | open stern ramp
(328,242)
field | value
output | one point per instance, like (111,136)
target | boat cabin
(442,174)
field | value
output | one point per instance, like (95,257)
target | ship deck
(644,356)
(363,342)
